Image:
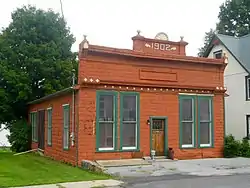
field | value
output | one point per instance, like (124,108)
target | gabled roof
(238,47)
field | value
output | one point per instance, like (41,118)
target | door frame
(165,118)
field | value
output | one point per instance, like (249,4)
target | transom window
(196,115)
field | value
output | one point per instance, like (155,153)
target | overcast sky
(114,22)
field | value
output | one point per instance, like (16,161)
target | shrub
(20,136)
(232,147)
(245,148)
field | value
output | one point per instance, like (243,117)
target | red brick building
(129,102)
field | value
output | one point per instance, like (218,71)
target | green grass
(31,169)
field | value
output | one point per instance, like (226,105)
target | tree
(234,20)
(208,37)
(35,59)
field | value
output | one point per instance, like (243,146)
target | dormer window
(218,54)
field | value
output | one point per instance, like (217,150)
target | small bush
(20,136)
(235,148)
(232,147)
(245,148)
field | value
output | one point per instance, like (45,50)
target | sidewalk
(82,184)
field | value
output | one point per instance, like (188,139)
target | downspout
(73,111)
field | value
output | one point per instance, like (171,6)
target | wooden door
(158,136)
(41,129)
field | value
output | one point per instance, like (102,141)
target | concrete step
(123,162)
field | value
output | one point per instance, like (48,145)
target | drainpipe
(73,111)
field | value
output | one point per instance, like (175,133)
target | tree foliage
(35,59)
(20,136)
(234,20)
(208,37)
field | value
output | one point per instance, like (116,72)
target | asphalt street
(181,181)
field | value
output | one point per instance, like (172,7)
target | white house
(3,139)
(237,81)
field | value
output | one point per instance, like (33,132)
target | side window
(218,54)
(66,121)
(247,88)
(33,119)
(49,128)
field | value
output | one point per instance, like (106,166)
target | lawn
(31,169)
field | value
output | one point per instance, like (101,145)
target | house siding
(236,106)
(56,150)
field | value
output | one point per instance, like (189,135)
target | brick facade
(159,76)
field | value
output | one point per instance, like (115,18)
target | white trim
(129,148)
(205,145)
(106,149)
(196,94)
(65,105)
(187,145)
(50,108)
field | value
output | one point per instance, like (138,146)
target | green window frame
(106,116)
(66,126)
(202,120)
(185,120)
(33,119)
(49,126)
(129,117)
(205,121)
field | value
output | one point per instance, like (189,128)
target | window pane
(248,89)
(129,134)
(49,126)
(204,133)
(35,127)
(187,129)
(106,108)
(204,110)
(187,109)
(157,124)
(66,119)
(129,108)
(66,138)
(106,135)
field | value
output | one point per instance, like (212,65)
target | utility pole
(61,8)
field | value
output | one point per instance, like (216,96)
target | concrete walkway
(82,184)
(199,167)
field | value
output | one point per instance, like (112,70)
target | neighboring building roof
(53,95)
(238,47)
